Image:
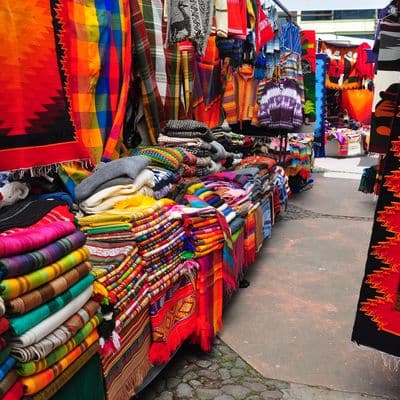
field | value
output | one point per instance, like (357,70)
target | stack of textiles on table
(138,250)
(196,138)
(114,181)
(46,287)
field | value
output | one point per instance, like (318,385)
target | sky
(333,4)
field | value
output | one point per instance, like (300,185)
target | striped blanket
(14,287)
(25,263)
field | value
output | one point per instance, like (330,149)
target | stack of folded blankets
(196,138)
(140,256)
(112,182)
(46,287)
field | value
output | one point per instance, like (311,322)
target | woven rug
(35,127)
(173,317)
(320,96)
(125,370)
(378,315)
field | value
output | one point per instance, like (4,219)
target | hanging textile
(308,66)
(387,86)
(38,126)
(378,316)
(320,95)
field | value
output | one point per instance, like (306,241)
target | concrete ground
(294,322)
(287,336)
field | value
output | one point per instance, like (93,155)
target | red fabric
(364,69)
(15,393)
(264,30)
(237,19)
(4,325)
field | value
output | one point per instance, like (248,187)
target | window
(355,14)
(317,15)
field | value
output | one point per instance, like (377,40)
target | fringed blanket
(30,137)
(125,370)
(14,287)
(25,263)
(173,315)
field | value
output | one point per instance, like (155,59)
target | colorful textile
(14,287)
(4,354)
(150,96)
(37,382)
(250,239)
(173,315)
(378,314)
(125,370)
(308,66)
(43,294)
(8,381)
(164,157)
(33,367)
(4,325)
(51,323)
(15,393)
(30,138)
(33,214)
(25,263)
(320,96)
(20,325)
(34,238)
(210,299)
(6,367)
(58,337)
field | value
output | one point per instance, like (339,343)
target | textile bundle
(48,286)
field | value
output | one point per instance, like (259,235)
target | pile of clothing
(46,288)
(114,181)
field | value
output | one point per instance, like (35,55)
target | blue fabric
(267,227)
(320,95)
(6,367)
(290,37)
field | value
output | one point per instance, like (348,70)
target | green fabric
(22,324)
(86,384)
(237,234)
(106,229)
(4,354)
(33,367)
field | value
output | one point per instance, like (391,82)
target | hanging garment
(280,106)
(237,19)
(290,37)
(38,126)
(387,86)
(378,314)
(308,66)
(290,68)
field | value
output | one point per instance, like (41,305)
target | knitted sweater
(280,105)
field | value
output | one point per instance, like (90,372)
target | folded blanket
(37,382)
(167,158)
(58,337)
(33,367)
(26,213)
(127,166)
(5,368)
(8,382)
(14,287)
(20,325)
(4,325)
(34,238)
(15,393)
(48,325)
(25,263)
(4,354)
(186,125)
(43,294)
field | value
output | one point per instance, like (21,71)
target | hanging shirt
(290,68)
(290,37)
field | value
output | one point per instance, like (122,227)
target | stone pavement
(223,375)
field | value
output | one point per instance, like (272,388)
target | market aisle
(294,321)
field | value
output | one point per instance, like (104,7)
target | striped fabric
(150,95)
